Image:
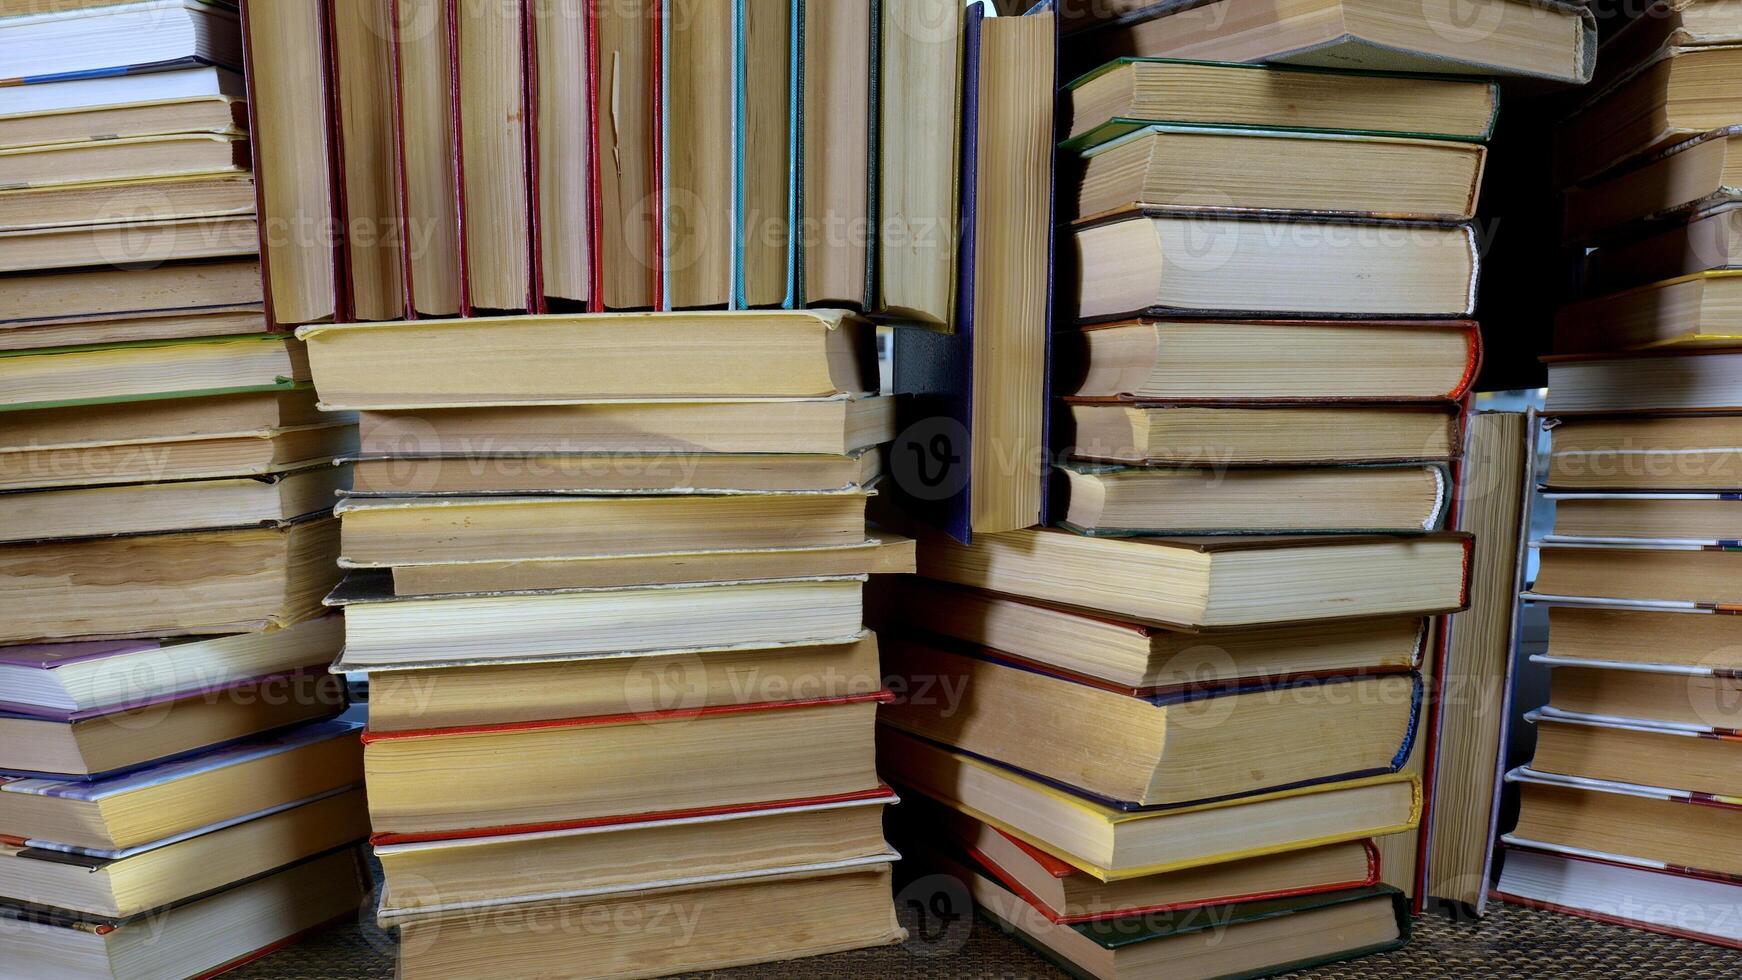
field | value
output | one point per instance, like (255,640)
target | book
(199,582)
(123,459)
(104,741)
(148,369)
(1113,844)
(975,416)
(1126,95)
(213,117)
(1701,241)
(409,531)
(1172,581)
(133,243)
(838,116)
(365,140)
(169,325)
(156,420)
(1624,892)
(186,866)
(1180,361)
(1670,573)
(52,45)
(1214,265)
(1162,749)
(462,696)
(832,426)
(32,105)
(270,500)
(561,148)
(555,359)
(1160,433)
(174,797)
(880,553)
(201,938)
(1689,177)
(1658,381)
(115,293)
(1674,24)
(1645,822)
(613,473)
(1642,453)
(423,83)
(387,632)
(1692,311)
(1162,167)
(97,675)
(1634,751)
(1682,93)
(756,920)
(1650,516)
(1493,38)
(290,125)
(492,120)
(1132,501)
(1687,696)
(125,158)
(698,154)
(584,769)
(1474,692)
(1609,635)
(132,200)
(1144,660)
(767,39)
(612,857)
(919,157)
(626,125)
(1064,895)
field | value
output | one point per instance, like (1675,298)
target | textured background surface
(1510,942)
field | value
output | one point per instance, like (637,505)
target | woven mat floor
(1511,942)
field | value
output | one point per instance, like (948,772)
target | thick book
(1685,517)
(1623,892)
(1127,95)
(1676,827)
(95,294)
(1136,431)
(754,920)
(1677,94)
(611,857)
(837,120)
(1145,501)
(978,426)
(1165,265)
(1270,580)
(128,371)
(1690,311)
(1269,170)
(1131,658)
(169,325)
(73,513)
(103,675)
(612,473)
(55,45)
(492,156)
(566,359)
(1667,574)
(203,938)
(1162,360)
(1668,381)
(290,126)
(1159,749)
(145,242)
(627,190)
(1693,687)
(151,157)
(1690,177)
(187,866)
(198,582)
(561,150)
(580,769)
(1705,240)
(366,141)
(384,631)
(162,801)
(424,162)
(1636,751)
(126,200)
(41,103)
(1473,694)
(1115,844)
(699,154)
(1553,40)
(767,39)
(103,741)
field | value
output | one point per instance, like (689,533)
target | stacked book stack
(605,574)
(168,740)
(1198,700)
(1631,795)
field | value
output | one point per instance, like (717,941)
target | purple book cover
(233,754)
(67,716)
(49,656)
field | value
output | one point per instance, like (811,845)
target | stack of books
(1631,795)
(168,732)
(1198,698)
(605,573)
